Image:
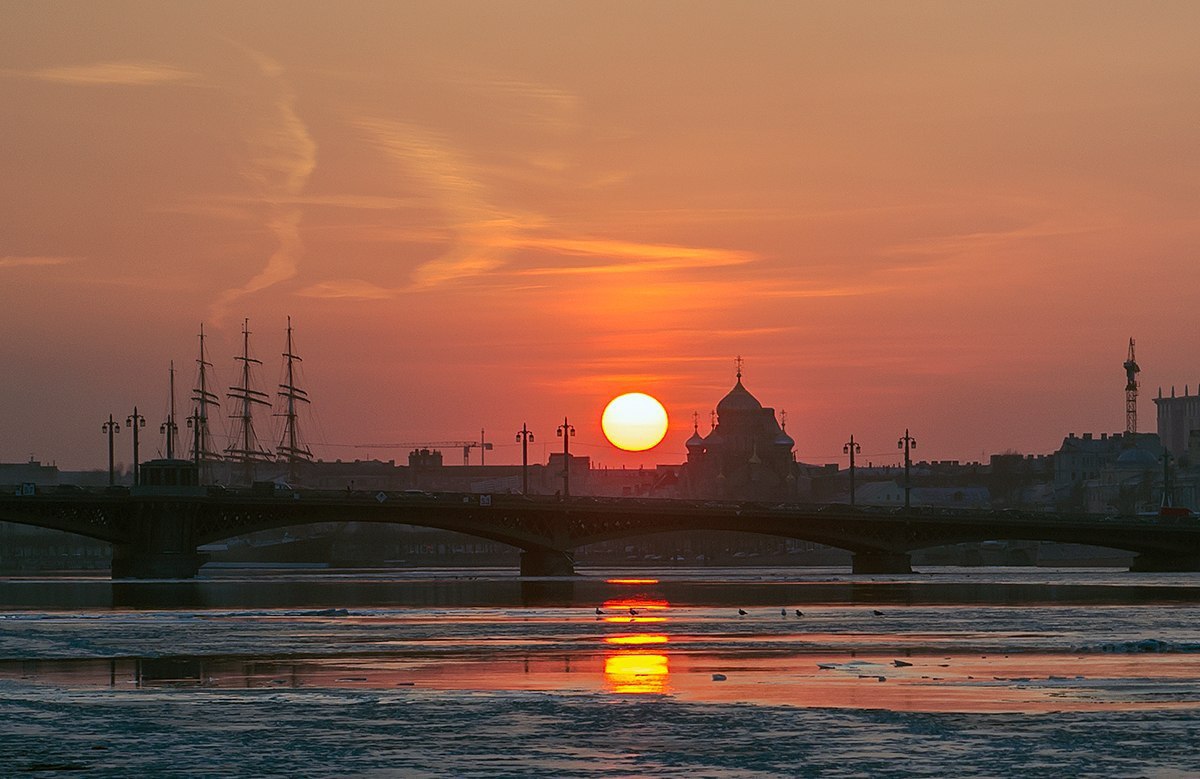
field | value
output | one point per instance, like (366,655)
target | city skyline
(944,218)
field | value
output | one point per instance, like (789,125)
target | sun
(634,422)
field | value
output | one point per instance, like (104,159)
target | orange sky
(948,217)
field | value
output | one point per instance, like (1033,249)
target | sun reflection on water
(637,672)
(628,670)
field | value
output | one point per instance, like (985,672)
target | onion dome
(739,400)
(696,441)
(783,439)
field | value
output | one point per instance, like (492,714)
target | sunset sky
(948,217)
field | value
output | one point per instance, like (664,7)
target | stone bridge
(156,533)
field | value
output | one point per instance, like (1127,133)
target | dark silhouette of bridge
(156,533)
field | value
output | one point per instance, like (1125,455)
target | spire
(739,362)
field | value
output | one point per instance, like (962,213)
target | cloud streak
(126,74)
(11,261)
(482,232)
(284,157)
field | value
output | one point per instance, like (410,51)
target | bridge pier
(161,545)
(129,562)
(547,562)
(880,561)
(1165,563)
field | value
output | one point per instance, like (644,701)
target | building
(1178,417)
(1120,472)
(746,456)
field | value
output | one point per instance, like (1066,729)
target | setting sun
(634,422)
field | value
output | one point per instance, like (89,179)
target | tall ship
(204,403)
(247,458)
(291,448)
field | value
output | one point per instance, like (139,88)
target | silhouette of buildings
(1179,421)
(746,456)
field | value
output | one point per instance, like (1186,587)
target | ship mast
(291,450)
(203,453)
(244,446)
(169,428)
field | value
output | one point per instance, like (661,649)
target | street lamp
(851,449)
(565,431)
(196,424)
(524,436)
(111,427)
(906,443)
(1166,498)
(135,421)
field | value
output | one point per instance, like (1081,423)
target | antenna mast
(290,449)
(244,446)
(1131,393)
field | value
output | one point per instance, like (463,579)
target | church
(746,456)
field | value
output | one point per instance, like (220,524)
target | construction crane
(1131,392)
(466,446)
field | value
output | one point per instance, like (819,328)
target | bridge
(156,533)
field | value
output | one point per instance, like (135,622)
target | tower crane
(1131,392)
(466,446)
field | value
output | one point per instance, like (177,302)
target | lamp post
(196,424)
(906,443)
(1166,498)
(524,436)
(851,449)
(135,421)
(565,431)
(111,427)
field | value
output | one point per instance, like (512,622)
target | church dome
(1136,458)
(696,441)
(783,439)
(739,399)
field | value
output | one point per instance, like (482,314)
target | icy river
(715,672)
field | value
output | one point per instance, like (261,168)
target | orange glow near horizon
(894,236)
(631,581)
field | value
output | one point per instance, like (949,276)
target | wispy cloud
(961,243)
(482,233)
(535,103)
(630,256)
(133,74)
(11,261)
(284,156)
(349,289)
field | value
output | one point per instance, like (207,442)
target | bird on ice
(598,611)
(742,612)
(632,612)
(877,612)
(799,613)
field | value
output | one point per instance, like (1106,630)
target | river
(714,672)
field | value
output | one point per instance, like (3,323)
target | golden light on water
(636,640)
(637,672)
(631,581)
(633,618)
